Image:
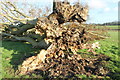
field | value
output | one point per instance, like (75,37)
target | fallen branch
(15,9)
(40,44)
(11,16)
(98,35)
(22,29)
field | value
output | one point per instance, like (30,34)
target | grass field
(110,27)
(14,53)
(114,27)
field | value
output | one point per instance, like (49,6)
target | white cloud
(107,9)
(115,1)
(96,3)
(111,1)
(115,8)
(33,0)
(100,3)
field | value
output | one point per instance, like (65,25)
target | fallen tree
(16,26)
(61,34)
(25,27)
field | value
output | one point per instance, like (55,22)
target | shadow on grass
(115,50)
(21,52)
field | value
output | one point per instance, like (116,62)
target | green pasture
(109,27)
(110,47)
(14,53)
(114,27)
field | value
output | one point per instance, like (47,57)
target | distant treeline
(110,23)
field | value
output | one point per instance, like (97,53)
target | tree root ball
(72,65)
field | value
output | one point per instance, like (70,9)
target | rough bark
(60,35)
(54,26)
(66,12)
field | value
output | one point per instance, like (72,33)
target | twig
(97,35)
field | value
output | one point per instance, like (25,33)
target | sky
(100,11)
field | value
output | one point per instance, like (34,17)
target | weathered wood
(22,29)
(41,44)
(61,42)
(65,67)
(67,12)
(54,26)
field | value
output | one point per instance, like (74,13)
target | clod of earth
(60,35)
(67,66)
(60,59)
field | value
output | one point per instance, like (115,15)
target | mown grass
(0,66)
(114,27)
(14,53)
(110,48)
(109,27)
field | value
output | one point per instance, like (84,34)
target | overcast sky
(100,11)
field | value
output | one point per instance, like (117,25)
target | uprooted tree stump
(60,35)
(24,29)
(64,34)
(67,67)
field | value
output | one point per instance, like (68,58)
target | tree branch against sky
(101,11)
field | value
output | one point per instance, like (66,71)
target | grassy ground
(111,48)
(14,53)
(109,27)
(114,27)
(0,66)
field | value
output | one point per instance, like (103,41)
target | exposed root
(70,65)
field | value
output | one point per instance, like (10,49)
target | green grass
(14,53)
(114,27)
(0,66)
(108,27)
(110,48)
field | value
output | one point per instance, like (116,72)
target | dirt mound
(69,66)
